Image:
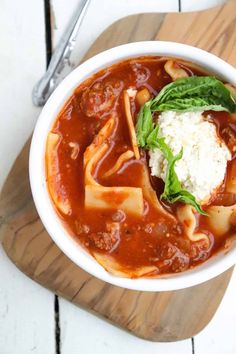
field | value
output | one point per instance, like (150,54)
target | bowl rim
(217,264)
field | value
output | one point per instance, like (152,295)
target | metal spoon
(60,60)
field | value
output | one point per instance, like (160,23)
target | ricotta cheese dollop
(203,165)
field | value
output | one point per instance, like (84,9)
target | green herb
(190,94)
(173,191)
(187,198)
(194,93)
(144,124)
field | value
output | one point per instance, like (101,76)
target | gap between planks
(179,5)
(193,345)
(48,44)
(192,339)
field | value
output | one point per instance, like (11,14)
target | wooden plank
(22,63)
(212,30)
(100,15)
(199,5)
(26,309)
(219,335)
(26,313)
(83,333)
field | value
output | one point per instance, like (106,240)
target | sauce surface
(152,242)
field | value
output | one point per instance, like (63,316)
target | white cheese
(203,165)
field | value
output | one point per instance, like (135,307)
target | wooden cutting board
(167,316)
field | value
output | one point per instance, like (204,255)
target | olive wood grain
(167,316)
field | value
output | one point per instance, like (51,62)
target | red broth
(141,241)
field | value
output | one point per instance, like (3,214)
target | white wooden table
(32,320)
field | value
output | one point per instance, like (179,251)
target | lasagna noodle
(219,218)
(131,127)
(231,179)
(99,139)
(128,199)
(60,200)
(99,153)
(187,218)
(174,70)
(150,194)
(113,267)
(127,155)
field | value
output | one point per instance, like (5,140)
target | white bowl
(211,268)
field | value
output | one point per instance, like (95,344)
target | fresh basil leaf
(194,93)
(191,94)
(172,184)
(144,124)
(191,105)
(152,139)
(185,197)
(172,191)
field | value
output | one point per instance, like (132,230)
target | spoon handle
(59,65)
